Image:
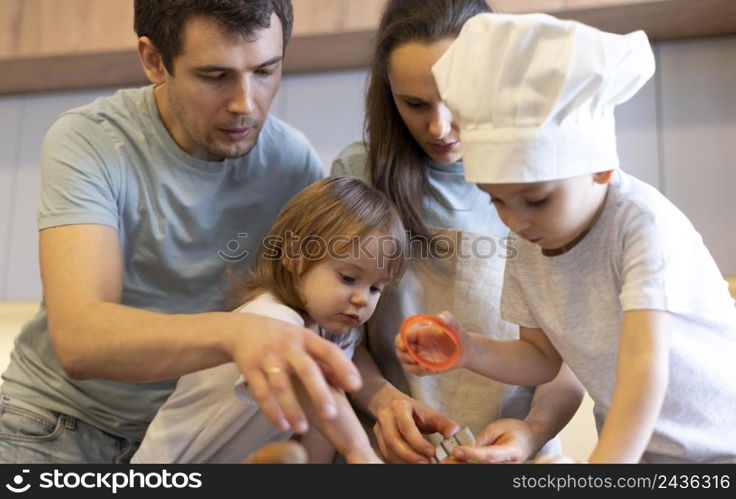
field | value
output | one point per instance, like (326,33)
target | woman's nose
(441,123)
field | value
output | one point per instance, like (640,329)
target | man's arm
(94,336)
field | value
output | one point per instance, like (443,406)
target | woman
(459,248)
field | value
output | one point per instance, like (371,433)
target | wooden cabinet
(35,28)
(363,14)
(64,44)
(660,19)
(313,17)
(519,7)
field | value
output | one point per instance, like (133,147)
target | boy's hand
(555,459)
(399,428)
(410,365)
(432,344)
(502,441)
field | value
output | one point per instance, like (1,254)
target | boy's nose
(517,223)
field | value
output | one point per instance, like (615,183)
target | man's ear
(603,177)
(153,64)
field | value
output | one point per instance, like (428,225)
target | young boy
(610,276)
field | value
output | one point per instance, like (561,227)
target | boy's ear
(603,177)
(153,64)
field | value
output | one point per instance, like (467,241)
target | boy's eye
(376,289)
(347,278)
(538,202)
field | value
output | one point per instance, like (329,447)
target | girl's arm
(344,432)
(319,450)
(642,374)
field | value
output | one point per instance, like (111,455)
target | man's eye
(214,77)
(265,73)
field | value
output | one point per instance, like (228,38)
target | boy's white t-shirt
(211,417)
(642,253)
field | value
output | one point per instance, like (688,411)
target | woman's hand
(399,428)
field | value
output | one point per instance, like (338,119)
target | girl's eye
(376,289)
(347,278)
(538,202)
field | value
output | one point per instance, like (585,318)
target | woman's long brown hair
(398,165)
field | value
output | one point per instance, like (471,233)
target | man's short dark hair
(163,20)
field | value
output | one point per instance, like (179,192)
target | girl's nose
(358,299)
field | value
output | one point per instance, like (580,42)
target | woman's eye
(416,105)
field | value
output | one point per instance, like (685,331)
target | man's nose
(242,99)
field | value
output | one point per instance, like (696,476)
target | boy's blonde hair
(331,215)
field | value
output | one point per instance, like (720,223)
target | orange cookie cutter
(432,322)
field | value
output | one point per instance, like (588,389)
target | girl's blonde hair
(330,218)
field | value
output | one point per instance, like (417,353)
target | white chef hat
(533,95)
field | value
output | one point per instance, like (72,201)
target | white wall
(677,134)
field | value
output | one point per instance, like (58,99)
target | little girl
(330,254)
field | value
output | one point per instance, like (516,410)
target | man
(147,197)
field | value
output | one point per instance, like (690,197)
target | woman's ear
(603,177)
(153,64)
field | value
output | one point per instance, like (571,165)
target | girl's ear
(293,265)
(603,177)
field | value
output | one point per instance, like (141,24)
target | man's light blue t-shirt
(181,221)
